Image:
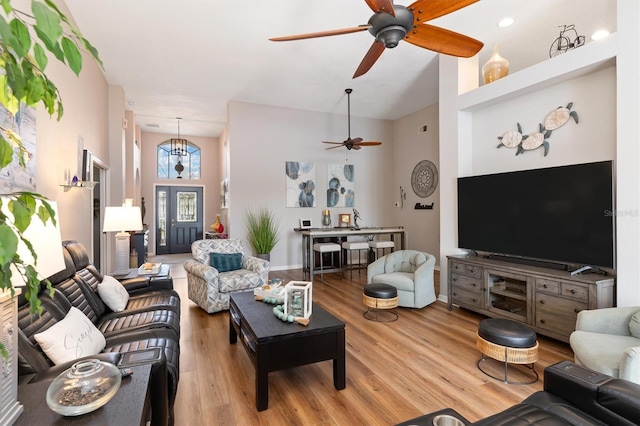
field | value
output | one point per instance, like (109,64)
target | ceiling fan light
(391,36)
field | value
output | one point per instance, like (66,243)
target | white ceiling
(189,58)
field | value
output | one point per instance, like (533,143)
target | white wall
(409,148)
(57,142)
(210,178)
(592,139)
(262,138)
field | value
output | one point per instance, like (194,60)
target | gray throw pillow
(634,325)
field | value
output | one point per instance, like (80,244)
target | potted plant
(263,232)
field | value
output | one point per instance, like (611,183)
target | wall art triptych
(301,185)
(340,185)
(13,177)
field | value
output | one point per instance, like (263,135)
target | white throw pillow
(113,293)
(73,337)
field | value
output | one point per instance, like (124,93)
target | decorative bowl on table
(84,387)
(149,268)
(273,290)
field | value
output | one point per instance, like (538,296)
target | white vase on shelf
(495,68)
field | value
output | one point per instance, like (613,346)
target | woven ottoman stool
(381,300)
(510,342)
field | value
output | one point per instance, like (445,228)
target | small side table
(165,271)
(130,405)
(210,235)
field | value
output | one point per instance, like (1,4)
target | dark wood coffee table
(275,345)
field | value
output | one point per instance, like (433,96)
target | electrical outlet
(423,129)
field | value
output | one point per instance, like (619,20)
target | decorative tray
(275,289)
(148,268)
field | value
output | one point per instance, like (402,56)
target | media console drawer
(546,299)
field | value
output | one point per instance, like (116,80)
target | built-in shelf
(585,60)
(80,184)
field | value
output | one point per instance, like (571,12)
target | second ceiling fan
(392,23)
(355,143)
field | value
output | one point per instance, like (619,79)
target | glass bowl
(86,386)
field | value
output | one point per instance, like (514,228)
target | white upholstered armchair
(210,288)
(608,340)
(411,272)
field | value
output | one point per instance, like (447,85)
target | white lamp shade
(118,219)
(46,242)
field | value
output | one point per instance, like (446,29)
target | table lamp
(46,242)
(121,220)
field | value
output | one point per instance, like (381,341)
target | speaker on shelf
(87,164)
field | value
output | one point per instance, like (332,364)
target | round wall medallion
(424,179)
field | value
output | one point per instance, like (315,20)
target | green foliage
(25,39)
(262,228)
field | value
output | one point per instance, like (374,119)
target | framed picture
(224,194)
(345,220)
(305,223)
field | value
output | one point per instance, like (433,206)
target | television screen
(563,214)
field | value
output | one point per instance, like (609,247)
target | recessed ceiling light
(505,22)
(600,34)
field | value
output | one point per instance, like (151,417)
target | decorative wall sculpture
(554,120)
(424,178)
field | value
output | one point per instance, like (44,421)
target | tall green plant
(262,228)
(25,39)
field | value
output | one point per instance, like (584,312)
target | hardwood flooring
(423,362)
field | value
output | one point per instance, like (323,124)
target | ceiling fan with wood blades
(355,143)
(392,23)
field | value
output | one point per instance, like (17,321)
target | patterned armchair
(211,289)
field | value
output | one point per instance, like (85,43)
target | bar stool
(326,248)
(381,244)
(347,249)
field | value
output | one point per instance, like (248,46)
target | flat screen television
(561,214)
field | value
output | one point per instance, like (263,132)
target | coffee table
(275,345)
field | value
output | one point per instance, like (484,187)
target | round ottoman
(510,342)
(381,301)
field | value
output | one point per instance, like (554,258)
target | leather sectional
(572,395)
(151,319)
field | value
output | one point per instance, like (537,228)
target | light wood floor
(423,362)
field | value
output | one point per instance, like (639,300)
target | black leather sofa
(150,320)
(572,395)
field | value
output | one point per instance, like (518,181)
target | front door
(179,218)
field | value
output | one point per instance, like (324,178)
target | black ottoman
(381,300)
(510,342)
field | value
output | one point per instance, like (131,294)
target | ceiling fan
(391,23)
(349,143)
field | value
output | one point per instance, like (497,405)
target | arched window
(167,163)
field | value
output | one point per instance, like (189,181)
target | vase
(326,218)
(495,68)
(217,227)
